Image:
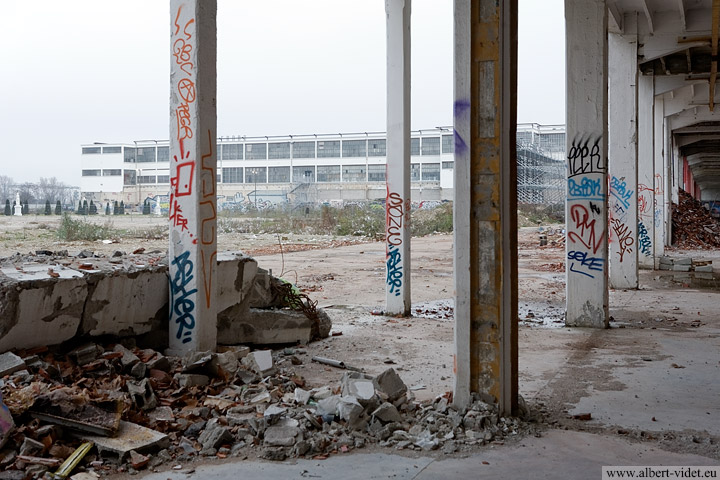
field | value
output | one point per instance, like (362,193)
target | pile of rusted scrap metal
(692,225)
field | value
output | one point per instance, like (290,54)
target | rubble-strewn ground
(651,378)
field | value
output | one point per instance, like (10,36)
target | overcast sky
(84,71)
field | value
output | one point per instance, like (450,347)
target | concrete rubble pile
(141,409)
(692,225)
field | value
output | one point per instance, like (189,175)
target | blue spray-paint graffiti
(587,263)
(183,307)
(461,110)
(644,240)
(394,270)
(587,189)
(619,190)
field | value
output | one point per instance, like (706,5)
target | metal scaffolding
(541,179)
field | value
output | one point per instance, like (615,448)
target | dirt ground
(651,378)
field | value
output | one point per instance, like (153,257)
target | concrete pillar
(485,207)
(645,187)
(193,165)
(397,202)
(622,160)
(659,176)
(587,140)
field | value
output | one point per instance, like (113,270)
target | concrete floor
(558,454)
(650,384)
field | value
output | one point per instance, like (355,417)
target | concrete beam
(486,202)
(587,145)
(397,203)
(623,162)
(645,183)
(193,166)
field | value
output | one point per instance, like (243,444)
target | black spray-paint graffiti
(584,157)
(183,307)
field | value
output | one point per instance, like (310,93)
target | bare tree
(7,192)
(50,189)
(27,192)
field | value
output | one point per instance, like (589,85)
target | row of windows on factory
(426,172)
(282,150)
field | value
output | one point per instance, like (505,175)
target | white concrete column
(397,202)
(587,140)
(659,176)
(622,160)
(193,166)
(485,206)
(645,186)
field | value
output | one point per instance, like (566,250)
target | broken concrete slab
(130,436)
(387,413)
(240,351)
(124,303)
(704,268)
(10,363)
(281,436)
(265,327)
(128,358)
(236,275)
(390,384)
(214,435)
(40,312)
(261,295)
(358,385)
(260,362)
(122,297)
(191,380)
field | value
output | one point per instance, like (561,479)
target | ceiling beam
(697,129)
(714,55)
(616,15)
(681,8)
(648,16)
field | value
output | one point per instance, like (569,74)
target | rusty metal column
(397,202)
(586,213)
(485,207)
(193,166)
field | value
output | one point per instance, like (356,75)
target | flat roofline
(442,130)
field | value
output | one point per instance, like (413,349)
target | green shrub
(73,230)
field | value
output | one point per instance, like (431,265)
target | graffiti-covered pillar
(485,206)
(645,187)
(659,177)
(622,159)
(586,213)
(397,202)
(193,164)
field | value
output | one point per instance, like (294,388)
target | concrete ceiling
(678,45)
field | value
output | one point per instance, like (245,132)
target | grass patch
(73,230)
